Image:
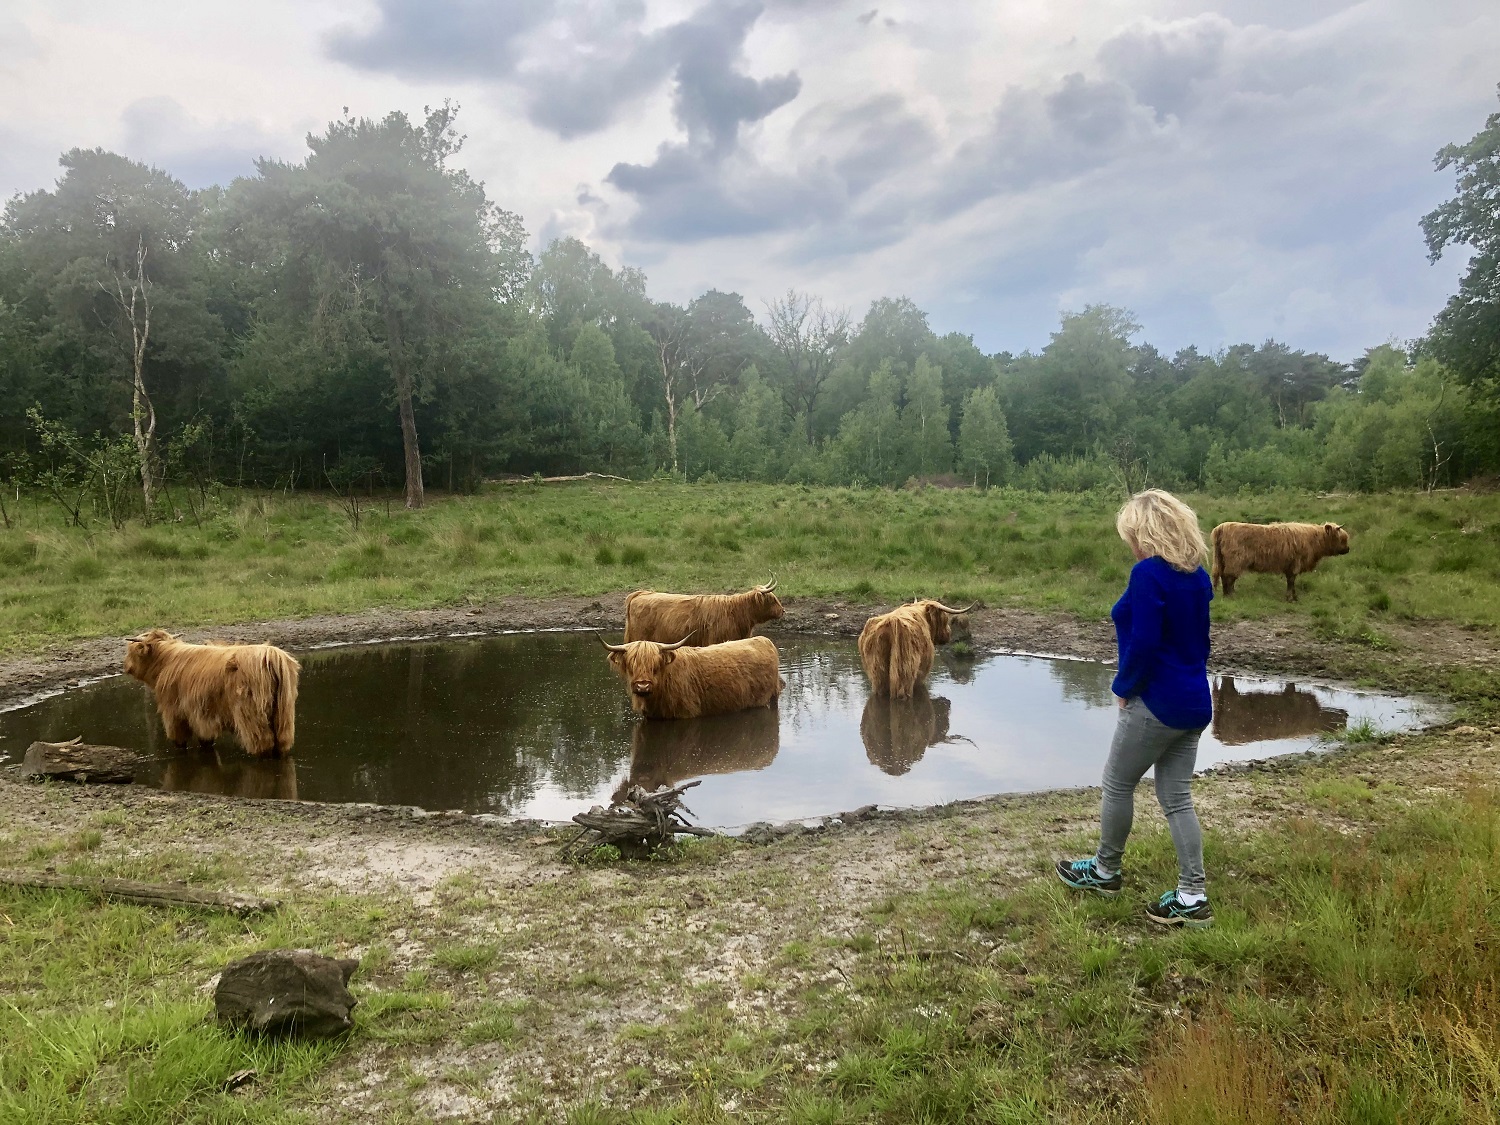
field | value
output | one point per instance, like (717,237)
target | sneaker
(1082,875)
(1169,910)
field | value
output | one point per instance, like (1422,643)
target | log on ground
(149,894)
(81,761)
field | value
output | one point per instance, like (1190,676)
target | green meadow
(255,557)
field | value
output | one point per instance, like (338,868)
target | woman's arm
(1138,654)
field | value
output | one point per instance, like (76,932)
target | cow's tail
(282,714)
(1216,573)
(266,699)
(904,659)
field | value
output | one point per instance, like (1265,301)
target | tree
(983,440)
(806,337)
(381,241)
(1466,334)
(108,259)
(924,419)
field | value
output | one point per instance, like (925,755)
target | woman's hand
(1120,702)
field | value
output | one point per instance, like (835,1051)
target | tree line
(369,317)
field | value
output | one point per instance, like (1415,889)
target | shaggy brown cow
(710,619)
(897,732)
(202,690)
(672,682)
(896,648)
(1273,548)
(1255,716)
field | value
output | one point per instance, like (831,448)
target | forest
(370,319)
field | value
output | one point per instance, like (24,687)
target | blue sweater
(1161,625)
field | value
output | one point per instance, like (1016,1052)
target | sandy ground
(718,926)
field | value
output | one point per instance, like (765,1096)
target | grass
(1415,556)
(1353,976)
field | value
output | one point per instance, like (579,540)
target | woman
(1161,625)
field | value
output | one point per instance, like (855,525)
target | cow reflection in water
(668,751)
(203,771)
(1257,716)
(897,732)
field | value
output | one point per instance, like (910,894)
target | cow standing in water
(673,682)
(709,619)
(1273,548)
(203,690)
(897,648)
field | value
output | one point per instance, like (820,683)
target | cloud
(478,39)
(161,132)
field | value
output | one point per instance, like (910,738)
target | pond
(536,725)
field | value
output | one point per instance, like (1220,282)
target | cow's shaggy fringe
(897,648)
(711,618)
(1273,548)
(671,682)
(203,690)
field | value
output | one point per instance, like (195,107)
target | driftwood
(150,894)
(637,823)
(80,761)
(562,480)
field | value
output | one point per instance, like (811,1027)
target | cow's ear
(1330,527)
(668,657)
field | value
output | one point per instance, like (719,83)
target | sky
(1228,170)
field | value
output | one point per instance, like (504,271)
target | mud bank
(1287,646)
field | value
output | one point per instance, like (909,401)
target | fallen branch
(150,894)
(637,824)
(560,480)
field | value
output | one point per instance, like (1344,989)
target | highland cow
(1260,716)
(897,648)
(673,682)
(710,619)
(1273,548)
(203,690)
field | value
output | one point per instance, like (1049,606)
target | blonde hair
(1157,523)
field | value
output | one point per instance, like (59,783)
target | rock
(82,762)
(864,812)
(760,832)
(286,992)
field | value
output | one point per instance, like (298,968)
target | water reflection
(668,751)
(231,775)
(537,725)
(898,732)
(1242,717)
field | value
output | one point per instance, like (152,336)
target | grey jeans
(1142,741)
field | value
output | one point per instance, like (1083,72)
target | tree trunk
(415,496)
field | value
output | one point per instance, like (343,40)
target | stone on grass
(286,992)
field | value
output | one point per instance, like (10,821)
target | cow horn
(771,585)
(612,648)
(679,644)
(950,609)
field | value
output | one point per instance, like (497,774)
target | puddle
(537,725)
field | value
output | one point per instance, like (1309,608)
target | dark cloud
(1167,66)
(478,39)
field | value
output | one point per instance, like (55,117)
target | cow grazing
(203,690)
(1273,548)
(896,648)
(673,682)
(711,619)
(1258,716)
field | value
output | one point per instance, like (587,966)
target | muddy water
(537,725)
